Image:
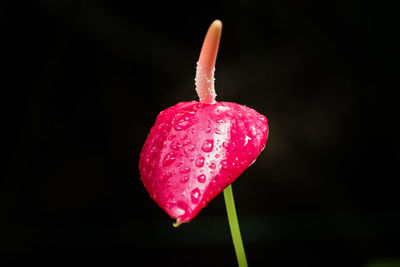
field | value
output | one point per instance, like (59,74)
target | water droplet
(208,145)
(217,155)
(184,179)
(208,129)
(186,142)
(253,131)
(201,178)
(153,164)
(175,145)
(225,144)
(171,137)
(184,170)
(221,121)
(184,152)
(217,131)
(246,139)
(183,121)
(151,153)
(191,147)
(224,164)
(171,203)
(195,194)
(212,165)
(200,161)
(179,210)
(164,176)
(169,158)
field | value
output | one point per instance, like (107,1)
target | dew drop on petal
(169,158)
(175,145)
(171,137)
(153,164)
(184,153)
(246,139)
(184,170)
(208,145)
(201,178)
(253,131)
(183,122)
(195,195)
(164,176)
(179,163)
(184,179)
(171,203)
(200,161)
(224,164)
(180,208)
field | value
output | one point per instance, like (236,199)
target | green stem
(234,225)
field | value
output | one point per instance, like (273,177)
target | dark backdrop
(83,81)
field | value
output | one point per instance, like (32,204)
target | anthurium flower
(196,149)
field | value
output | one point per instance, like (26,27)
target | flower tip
(217,24)
(177,223)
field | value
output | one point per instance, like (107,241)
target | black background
(85,80)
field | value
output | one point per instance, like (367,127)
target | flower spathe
(195,150)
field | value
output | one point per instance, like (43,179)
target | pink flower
(196,149)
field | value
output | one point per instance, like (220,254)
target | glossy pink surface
(195,150)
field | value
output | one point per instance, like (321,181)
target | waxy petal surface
(195,150)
